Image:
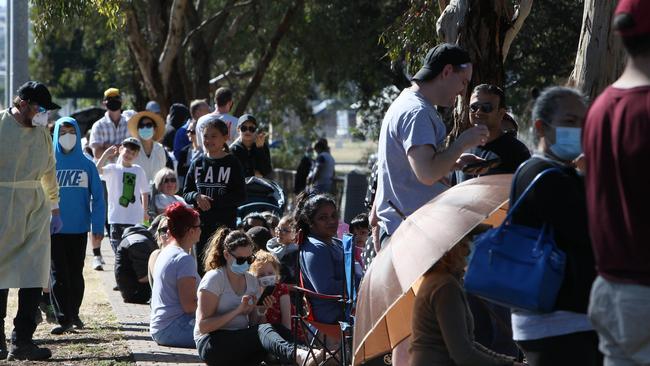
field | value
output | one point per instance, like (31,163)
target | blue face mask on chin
(239,269)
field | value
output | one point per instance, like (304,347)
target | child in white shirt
(128,189)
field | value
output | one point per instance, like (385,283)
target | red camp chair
(317,333)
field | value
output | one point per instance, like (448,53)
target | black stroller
(262,195)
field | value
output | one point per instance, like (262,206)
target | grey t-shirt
(410,121)
(216,282)
(172,264)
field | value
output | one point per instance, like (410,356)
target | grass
(98,344)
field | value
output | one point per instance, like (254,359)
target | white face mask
(40,119)
(67,141)
(567,144)
(267,281)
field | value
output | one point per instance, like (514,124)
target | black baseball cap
(439,56)
(246,117)
(33,91)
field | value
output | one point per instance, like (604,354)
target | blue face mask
(239,269)
(567,144)
(146,133)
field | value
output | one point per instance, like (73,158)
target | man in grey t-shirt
(412,158)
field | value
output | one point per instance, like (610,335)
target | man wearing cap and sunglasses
(29,196)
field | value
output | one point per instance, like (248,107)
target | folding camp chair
(318,333)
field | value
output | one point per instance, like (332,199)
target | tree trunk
(486,29)
(266,59)
(600,58)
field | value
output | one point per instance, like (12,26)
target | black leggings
(571,349)
(248,346)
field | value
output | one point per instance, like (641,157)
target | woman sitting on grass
(173,296)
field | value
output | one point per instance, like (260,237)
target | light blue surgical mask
(567,144)
(239,269)
(146,133)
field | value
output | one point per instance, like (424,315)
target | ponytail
(224,240)
(214,256)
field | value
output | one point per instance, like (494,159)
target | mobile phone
(268,290)
(490,163)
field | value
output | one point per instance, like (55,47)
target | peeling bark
(138,46)
(173,41)
(486,29)
(600,58)
(521,13)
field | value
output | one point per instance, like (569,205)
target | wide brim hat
(159,130)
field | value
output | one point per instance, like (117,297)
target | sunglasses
(242,260)
(146,125)
(169,180)
(249,129)
(162,230)
(484,107)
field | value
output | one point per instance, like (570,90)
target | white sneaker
(101,259)
(97,263)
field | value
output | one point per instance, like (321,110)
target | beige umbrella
(387,293)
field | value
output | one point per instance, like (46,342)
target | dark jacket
(559,200)
(131,261)
(221,180)
(254,159)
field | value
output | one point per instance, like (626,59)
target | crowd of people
(167,194)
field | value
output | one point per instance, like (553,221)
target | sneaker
(97,263)
(28,351)
(48,309)
(60,329)
(78,323)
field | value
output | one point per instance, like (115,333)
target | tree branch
(451,19)
(138,46)
(521,13)
(220,14)
(173,41)
(266,59)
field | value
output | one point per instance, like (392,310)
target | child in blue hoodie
(82,208)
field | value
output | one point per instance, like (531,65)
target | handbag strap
(530,186)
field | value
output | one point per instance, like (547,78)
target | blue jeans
(180,333)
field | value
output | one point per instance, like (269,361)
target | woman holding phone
(228,327)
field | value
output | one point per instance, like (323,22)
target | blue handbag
(517,266)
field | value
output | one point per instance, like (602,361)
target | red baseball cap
(639,10)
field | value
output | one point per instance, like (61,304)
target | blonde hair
(162,222)
(161,175)
(261,259)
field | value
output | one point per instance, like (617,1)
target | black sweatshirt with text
(223,181)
